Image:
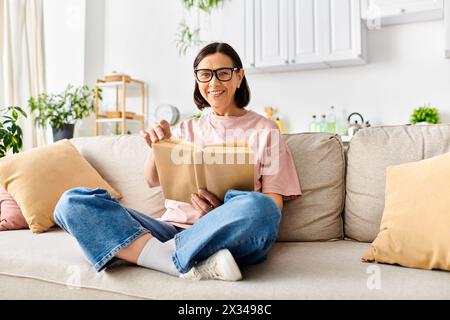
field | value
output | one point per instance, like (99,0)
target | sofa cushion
(308,270)
(120,161)
(415,228)
(37,178)
(370,152)
(316,215)
(11,217)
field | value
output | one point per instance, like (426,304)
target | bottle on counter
(313,125)
(331,121)
(323,124)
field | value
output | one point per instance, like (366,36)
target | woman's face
(220,94)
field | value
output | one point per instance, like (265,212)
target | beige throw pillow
(415,227)
(36,179)
(316,215)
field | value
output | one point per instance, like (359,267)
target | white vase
(424,123)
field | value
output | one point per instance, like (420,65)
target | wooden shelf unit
(119,108)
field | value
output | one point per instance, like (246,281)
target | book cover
(183,168)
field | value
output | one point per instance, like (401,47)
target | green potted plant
(10,132)
(425,115)
(188,35)
(61,111)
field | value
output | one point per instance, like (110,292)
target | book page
(175,165)
(228,168)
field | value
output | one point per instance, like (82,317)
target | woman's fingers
(211,197)
(204,204)
(159,132)
(198,205)
(165,126)
(153,136)
(146,136)
(205,201)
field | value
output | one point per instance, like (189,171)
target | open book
(183,168)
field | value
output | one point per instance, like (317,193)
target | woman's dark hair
(242,95)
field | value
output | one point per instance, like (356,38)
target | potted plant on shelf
(61,111)
(425,115)
(10,132)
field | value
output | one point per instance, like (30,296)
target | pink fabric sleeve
(284,180)
(178,131)
(182,212)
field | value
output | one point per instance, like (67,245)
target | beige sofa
(322,235)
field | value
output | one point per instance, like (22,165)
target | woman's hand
(160,131)
(205,201)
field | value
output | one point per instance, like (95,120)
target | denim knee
(66,212)
(267,204)
(262,213)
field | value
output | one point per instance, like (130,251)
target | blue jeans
(246,224)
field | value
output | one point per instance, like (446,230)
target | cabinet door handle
(286,61)
(293,61)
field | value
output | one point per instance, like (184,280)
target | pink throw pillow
(11,217)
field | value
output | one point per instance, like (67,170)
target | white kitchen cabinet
(271,33)
(306,41)
(386,12)
(288,35)
(285,35)
(307,34)
(344,33)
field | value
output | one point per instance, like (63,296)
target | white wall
(139,40)
(94,41)
(86,40)
(64,25)
(94,55)
(406,69)
(74,45)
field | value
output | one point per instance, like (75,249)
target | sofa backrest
(120,161)
(328,180)
(320,163)
(318,157)
(371,150)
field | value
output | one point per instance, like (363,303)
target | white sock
(157,255)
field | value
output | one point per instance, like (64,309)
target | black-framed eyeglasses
(222,74)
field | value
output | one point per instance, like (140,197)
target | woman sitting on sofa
(204,239)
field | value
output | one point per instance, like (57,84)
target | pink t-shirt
(274,168)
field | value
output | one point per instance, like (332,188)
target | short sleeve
(278,172)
